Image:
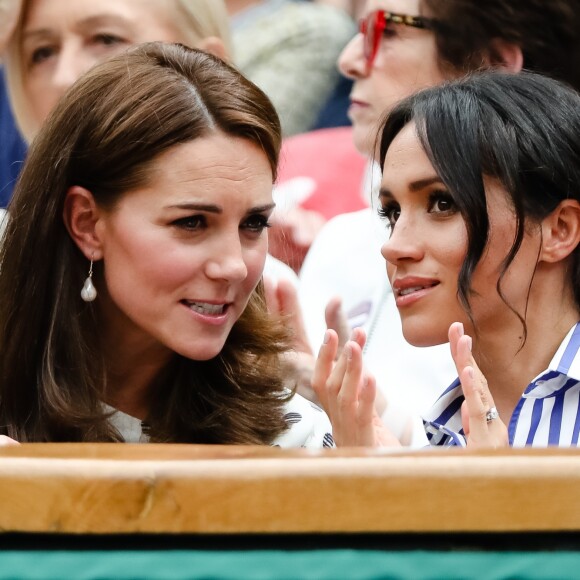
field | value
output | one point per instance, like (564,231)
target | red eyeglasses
(373,26)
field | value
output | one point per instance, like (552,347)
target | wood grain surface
(116,488)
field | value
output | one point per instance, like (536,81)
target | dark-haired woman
(481,190)
(130,274)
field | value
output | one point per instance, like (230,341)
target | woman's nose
(71,64)
(228,263)
(403,245)
(352,62)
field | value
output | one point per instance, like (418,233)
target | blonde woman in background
(55,41)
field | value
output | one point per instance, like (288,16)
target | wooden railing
(114,488)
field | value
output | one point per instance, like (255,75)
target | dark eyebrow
(262,208)
(385,193)
(414,186)
(423,183)
(210,208)
(197,207)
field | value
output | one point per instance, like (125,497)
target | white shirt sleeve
(308,426)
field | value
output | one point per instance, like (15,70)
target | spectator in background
(55,41)
(289,49)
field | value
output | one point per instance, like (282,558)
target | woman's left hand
(482,426)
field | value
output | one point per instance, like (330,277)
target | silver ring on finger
(491,414)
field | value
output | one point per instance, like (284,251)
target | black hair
(546,31)
(521,130)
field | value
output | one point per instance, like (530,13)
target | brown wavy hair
(545,30)
(104,135)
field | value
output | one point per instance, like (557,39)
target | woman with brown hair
(130,274)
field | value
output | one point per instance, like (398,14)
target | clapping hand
(347,393)
(482,425)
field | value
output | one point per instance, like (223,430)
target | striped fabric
(548,414)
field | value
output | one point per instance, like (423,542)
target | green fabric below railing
(332,564)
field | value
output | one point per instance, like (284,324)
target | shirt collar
(565,365)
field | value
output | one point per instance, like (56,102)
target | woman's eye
(256,223)
(191,223)
(441,203)
(391,213)
(108,39)
(389,31)
(41,54)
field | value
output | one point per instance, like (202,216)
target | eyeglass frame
(379,20)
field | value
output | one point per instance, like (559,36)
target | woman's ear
(561,232)
(215,46)
(506,55)
(80,216)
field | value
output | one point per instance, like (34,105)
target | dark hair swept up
(104,135)
(522,130)
(467,33)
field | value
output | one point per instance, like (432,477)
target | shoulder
(308,425)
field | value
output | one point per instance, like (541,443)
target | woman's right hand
(6,441)
(348,394)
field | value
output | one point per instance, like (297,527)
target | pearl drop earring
(89,292)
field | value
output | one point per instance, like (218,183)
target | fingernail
(469,343)
(460,329)
(348,350)
(470,372)
(326,337)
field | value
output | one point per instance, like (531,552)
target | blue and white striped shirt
(548,414)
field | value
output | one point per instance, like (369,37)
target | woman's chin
(422,337)
(206,353)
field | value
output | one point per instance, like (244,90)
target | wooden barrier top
(122,488)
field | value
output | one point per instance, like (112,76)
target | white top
(345,260)
(308,426)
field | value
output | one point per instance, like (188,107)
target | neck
(510,364)
(132,370)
